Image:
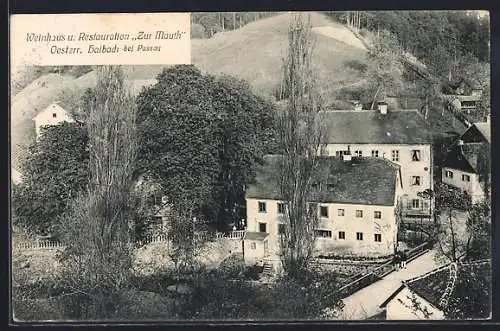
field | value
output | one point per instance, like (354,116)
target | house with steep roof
(467,163)
(400,136)
(53,114)
(455,290)
(355,200)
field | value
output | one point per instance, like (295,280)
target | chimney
(382,107)
(358,105)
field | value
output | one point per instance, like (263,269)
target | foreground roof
(453,285)
(366,180)
(369,126)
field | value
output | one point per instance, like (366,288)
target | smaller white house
(51,115)
(467,163)
(429,296)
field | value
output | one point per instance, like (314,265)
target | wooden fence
(358,282)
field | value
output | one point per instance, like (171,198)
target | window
(323,233)
(359,213)
(341,235)
(281,208)
(415,155)
(395,155)
(341,212)
(374,153)
(359,235)
(415,180)
(340,153)
(377,214)
(262,207)
(378,237)
(415,203)
(262,227)
(54,115)
(253,246)
(358,153)
(466,178)
(330,186)
(323,211)
(281,228)
(448,174)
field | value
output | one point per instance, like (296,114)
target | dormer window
(54,115)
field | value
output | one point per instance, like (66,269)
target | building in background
(400,136)
(467,163)
(51,115)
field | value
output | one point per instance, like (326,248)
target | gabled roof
(367,181)
(439,286)
(54,106)
(255,235)
(483,128)
(369,126)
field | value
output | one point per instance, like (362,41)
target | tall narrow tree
(96,231)
(300,135)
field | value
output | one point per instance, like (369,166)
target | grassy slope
(255,53)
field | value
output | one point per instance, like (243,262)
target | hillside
(255,53)
(62,88)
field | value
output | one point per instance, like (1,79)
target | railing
(44,244)
(357,282)
(34,245)
(231,235)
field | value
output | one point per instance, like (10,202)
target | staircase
(268,269)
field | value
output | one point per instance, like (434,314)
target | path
(365,303)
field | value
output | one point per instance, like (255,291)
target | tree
(96,230)
(300,137)
(462,229)
(385,69)
(54,173)
(201,137)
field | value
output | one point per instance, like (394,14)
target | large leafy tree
(200,137)
(55,171)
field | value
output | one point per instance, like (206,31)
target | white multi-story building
(52,115)
(467,164)
(400,136)
(355,199)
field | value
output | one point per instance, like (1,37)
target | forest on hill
(446,41)
(206,24)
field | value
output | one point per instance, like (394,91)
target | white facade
(407,305)
(348,229)
(416,175)
(465,181)
(52,115)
